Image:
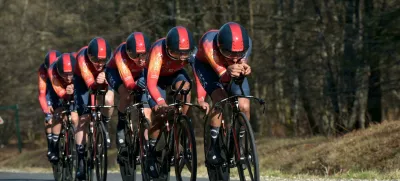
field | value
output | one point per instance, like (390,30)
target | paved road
(6,176)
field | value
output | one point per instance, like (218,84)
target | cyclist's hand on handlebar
(70,89)
(205,106)
(101,78)
(234,70)
(246,69)
(159,107)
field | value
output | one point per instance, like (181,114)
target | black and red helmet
(233,40)
(98,50)
(137,44)
(51,57)
(179,41)
(66,64)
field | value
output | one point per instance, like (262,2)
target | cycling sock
(121,120)
(152,143)
(49,139)
(120,128)
(55,138)
(214,131)
(106,119)
(80,149)
(242,131)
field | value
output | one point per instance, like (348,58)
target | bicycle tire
(128,167)
(89,157)
(143,126)
(71,163)
(250,156)
(185,135)
(101,152)
(58,165)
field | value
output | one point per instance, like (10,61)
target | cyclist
(90,75)
(124,73)
(168,57)
(222,55)
(44,99)
(61,74)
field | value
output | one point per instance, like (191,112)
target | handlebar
(187,104)
(135,105)
(217,105)
(101,106)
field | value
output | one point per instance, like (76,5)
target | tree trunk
(374,91)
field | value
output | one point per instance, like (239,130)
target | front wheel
(245,150)
(101,152)
(71,155)
(185,149)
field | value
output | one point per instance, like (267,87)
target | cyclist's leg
(154,131)
(56,129)
(81,96)
(244,103)
(180,76)
(56,125)
(47,126)
(114,80)
(210,82)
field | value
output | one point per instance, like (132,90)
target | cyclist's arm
(207,49)
(57,86)
(124,72)
(155,63)
(201,93)
(86,73)
(42,90)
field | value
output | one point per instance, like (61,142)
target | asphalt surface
(8,176)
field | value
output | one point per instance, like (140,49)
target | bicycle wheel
(101,152)
(70,155)
(143,148)
(58,166)
(185,149)
(89,157)
(248,159)
(127,163)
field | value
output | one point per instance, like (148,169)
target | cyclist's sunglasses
(67,74)
(181,55)
(232,55)
(98,61)
(136,56)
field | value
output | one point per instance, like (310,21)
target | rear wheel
(101,152)
(185,150)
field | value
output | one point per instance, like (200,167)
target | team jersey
(160,64)
(127,68)
(43,78)
(58,83)
(85,69)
